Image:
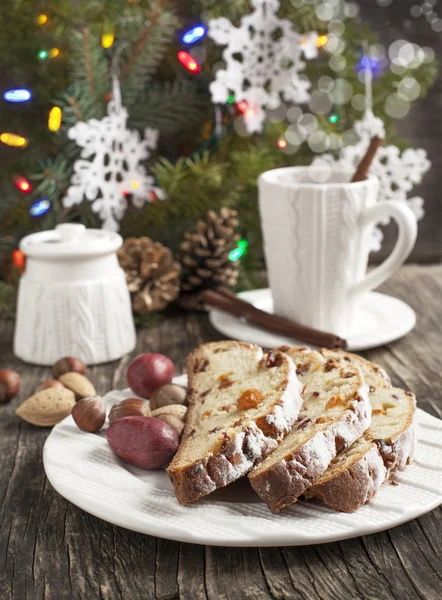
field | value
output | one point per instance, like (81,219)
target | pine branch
(54,176)
(78,104)
(87,58)
(158,104)
(75,108)
(89,63)
(147,54)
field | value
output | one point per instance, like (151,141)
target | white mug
(317,229)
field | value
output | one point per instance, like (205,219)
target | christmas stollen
(242,402)
(336,412)
(355,476)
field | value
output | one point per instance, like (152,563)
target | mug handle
(407,224)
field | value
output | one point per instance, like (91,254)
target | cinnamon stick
(226,300)
(364,165)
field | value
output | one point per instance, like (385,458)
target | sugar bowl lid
(70,240)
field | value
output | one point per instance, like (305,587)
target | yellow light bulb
(54,120)
(107,39)
(54,52)
(12,139)
(321,41)
(135,184)
(42,19)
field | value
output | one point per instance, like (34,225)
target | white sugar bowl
(73,298)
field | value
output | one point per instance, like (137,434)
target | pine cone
(205,256)
(152,276)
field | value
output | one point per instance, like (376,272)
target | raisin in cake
(242,402)
(335,413)
(356,475)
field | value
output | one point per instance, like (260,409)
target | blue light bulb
(194,34)
(18,95)
(40,207)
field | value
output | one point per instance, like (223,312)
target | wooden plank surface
(50,549)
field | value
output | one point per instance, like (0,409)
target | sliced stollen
(374,375)
(357,474)
(242,402)
(336,412)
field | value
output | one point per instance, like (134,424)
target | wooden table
(50,549)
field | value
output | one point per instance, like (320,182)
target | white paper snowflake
(397,173)
(263,62)
(109,168)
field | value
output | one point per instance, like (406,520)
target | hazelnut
(89,414)
(78,383)
(9,384)
(169,393)
(173,421)
(177,410)
(68,364)
(48,383)
(131,407)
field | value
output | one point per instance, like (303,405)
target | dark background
(423,125)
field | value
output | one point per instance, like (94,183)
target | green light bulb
(239,251)
(333,118)
(43,54)
(231,98)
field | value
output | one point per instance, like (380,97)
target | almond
(177,410)
(48,407)
(79,384)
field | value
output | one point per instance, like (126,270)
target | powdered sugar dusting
(285,414)
(303,465)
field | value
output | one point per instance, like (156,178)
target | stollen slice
(336,412)
(375,376)
(355,476)
(242,402)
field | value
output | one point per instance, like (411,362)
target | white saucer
(381,319)
(82,468)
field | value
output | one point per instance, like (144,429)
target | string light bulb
(40,207)
(23,184)
(239,251)
(188,62)
(54,52)
(42,19)
(107,39)
(246,109)
(54,119)
(43,54)
(18,259)
(369,62)
(194,34)
(13,139)
(333,118)
(282,143)
(321,41)
(18,95)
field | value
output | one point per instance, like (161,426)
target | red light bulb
(188,62)
(23,184)
(18,259)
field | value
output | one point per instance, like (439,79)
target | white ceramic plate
(83,469)
(381,319)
